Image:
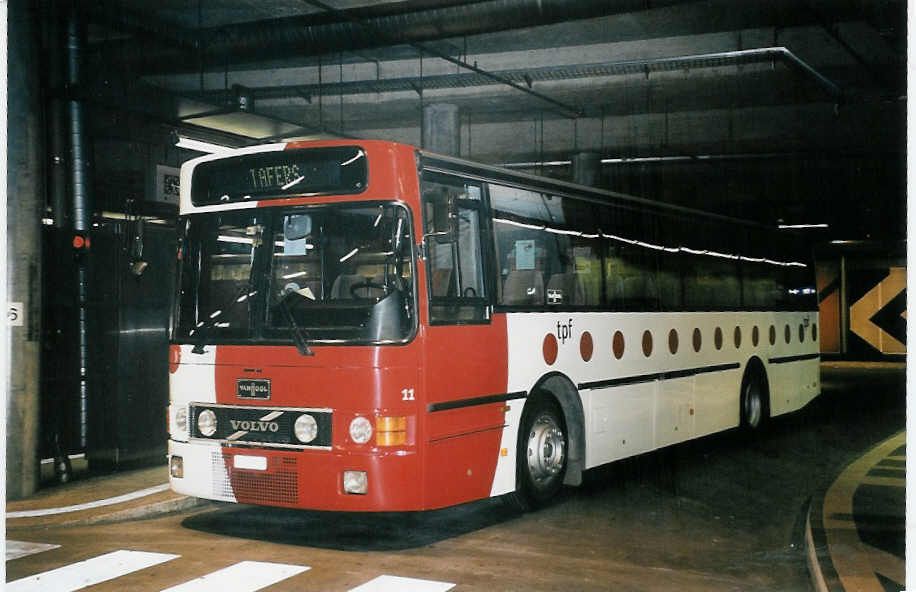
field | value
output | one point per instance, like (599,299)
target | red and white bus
(362,325)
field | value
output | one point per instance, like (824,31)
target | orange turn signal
(391,431)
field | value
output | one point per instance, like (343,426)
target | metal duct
(79,174)
(314,35)
(82,208)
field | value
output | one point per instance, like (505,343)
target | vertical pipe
(57,122)
(25,185)
(57,386)
(80,182)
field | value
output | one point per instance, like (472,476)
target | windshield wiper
(203,330)
(300,335)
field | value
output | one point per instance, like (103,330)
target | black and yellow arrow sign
(879,316)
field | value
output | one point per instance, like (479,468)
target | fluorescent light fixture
(801,226)
(201,146)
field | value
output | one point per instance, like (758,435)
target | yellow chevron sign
(873,317)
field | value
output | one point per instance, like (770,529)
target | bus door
(465,346)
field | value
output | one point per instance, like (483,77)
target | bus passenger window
(547,249)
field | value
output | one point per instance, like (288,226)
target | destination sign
(267,175)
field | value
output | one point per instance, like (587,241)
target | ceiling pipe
(552,73)
(565,109)
(655,159)
(310,35)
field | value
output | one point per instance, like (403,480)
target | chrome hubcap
(546,449)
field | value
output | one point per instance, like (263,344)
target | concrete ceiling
(628,79)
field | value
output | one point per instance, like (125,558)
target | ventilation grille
(279,484)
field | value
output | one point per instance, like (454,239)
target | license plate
(254,463)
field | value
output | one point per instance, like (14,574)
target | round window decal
(618,345)
(717,338)
(672,341)
(737,337)
(647,343)
(550,349)
(586,346)
(697,340)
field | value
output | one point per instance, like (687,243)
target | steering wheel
(366,284)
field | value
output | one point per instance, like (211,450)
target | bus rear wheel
(754,408)
(542,452)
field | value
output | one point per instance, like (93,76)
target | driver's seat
(342,287)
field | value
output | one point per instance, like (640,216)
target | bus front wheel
(542,452)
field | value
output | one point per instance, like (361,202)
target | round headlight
(206,422)
(305,428)
(360,430)
(181,419)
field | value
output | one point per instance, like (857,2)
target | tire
(755,406)
(542,458)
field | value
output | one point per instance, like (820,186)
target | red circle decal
(586,346)
(550,349)
(618,345)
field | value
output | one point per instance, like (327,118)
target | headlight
(360,430)
(206,422)
(305,428)
(181,419)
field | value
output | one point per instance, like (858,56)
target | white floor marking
(399,584)
(245,576)
(17,549)
(88,505)
(90,572)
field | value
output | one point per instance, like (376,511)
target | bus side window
(547,249)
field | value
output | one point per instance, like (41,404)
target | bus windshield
(322,274)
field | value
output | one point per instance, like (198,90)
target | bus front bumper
(307,479)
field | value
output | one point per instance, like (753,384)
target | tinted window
(547,249)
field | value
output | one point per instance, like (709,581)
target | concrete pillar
(441,131)
(25,203)
(586,168)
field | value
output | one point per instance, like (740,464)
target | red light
(174,358)
(79,242)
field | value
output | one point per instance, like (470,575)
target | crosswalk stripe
(398,584)
(89,572)
(17,549)
(245,576)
